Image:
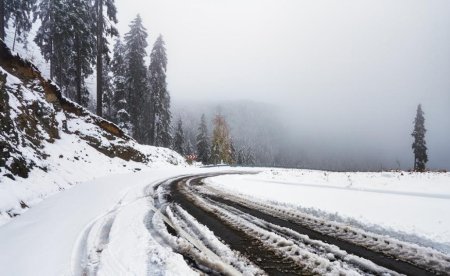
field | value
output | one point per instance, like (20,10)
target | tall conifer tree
(419,145)
(19,11)
(120,98)
(178,141)
(66,40)
(104,29)
(108,93)
(160,115)
(136,76)
(84,46)
(203,153)
(53,35)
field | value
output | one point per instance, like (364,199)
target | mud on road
(281,246)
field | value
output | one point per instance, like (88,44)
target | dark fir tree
(160,115)
(84,46)
(178,141)
(188,148)
(245,157)
(53,36)
(19,13)
(67,42)
(240,158)
(136,76)
(120,105)
(233,152)
(108,92)
(419,145)
(203,154)
(104,29)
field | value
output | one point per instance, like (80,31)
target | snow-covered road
(169,221)
(52,237)
(283,240)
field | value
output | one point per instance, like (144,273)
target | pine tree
(53,35)
(419,145)
(120,105)
(245,156)
(136,76)
(103,31)
(66,40)
(108,97)
(20,14)
(221,149)
(203,153)
(84,43)
(160,115)
(240,158)
(188,149)
(232,152)
(178,142)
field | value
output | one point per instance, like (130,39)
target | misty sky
(347,75)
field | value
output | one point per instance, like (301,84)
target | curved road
(283,245)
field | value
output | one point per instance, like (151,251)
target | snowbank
(410,206)
(50,238)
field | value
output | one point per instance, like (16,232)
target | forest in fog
(291,104)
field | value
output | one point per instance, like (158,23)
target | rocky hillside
(44,135)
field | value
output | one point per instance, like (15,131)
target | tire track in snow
(199,214)
(252,247)
(395,250)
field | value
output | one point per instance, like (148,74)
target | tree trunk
(52,60)
(2,20)
(78,66)
(99,57)
(52,47)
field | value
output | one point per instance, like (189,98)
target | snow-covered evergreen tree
(108,92)
(118,67)
(136,77)
(203,154)
(19,13)
(160,98)
(53,36)
(419,145)
(233,152)
(104,28)
(188,148)
(66,40)
(120,100)
(84,46)
(178,141)
(245,156)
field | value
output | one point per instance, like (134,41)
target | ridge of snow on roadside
(405,205)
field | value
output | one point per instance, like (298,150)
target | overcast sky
(349,73)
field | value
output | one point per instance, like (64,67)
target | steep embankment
(48,143)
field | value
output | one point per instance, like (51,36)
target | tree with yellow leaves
(221,151)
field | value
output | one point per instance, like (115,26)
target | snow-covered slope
(48,143)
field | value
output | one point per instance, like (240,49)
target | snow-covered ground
(410,206)
(109,226)
(51,238)
(69,160)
